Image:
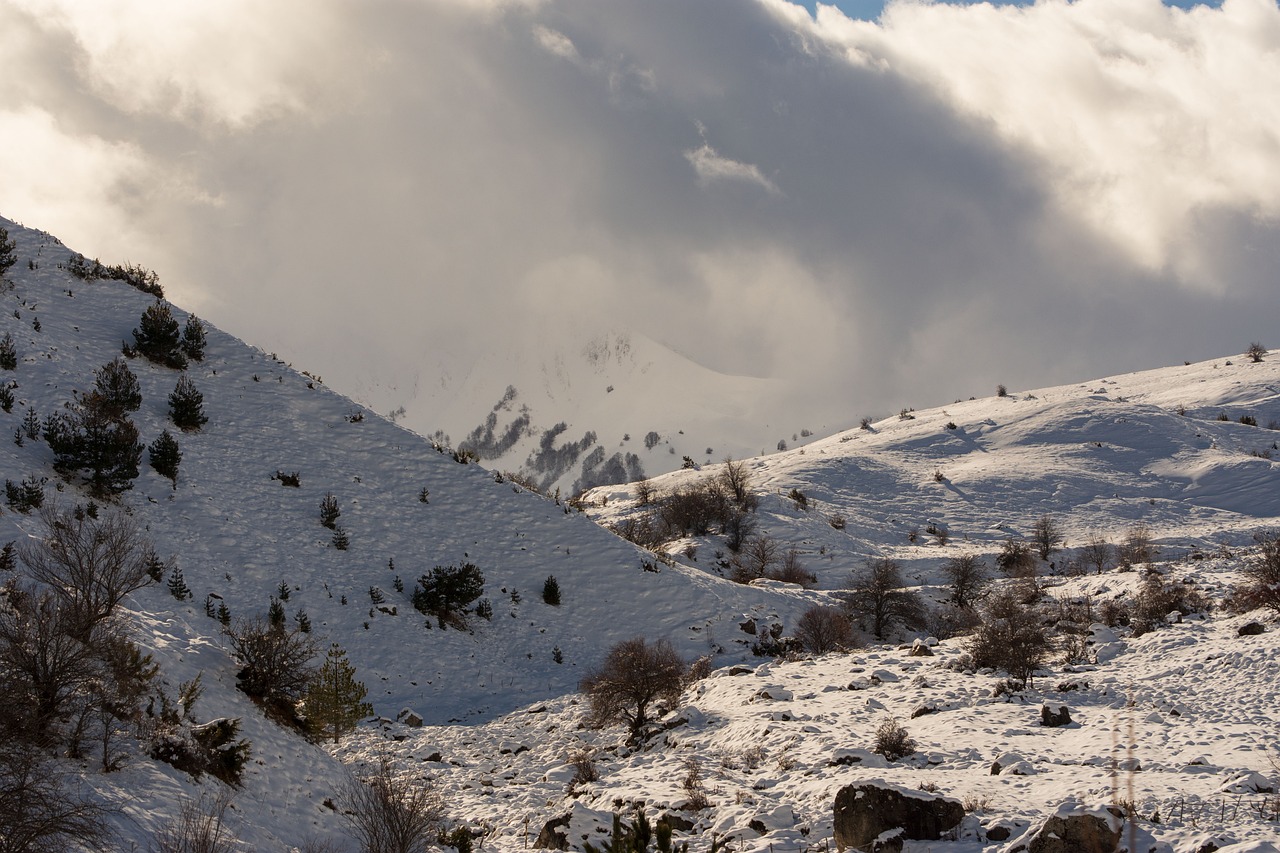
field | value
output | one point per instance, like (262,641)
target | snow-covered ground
(501,711)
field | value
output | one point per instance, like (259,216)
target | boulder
(1076,830)
(920,649)
(554,834)
(872,810)
(410,718)
(1053,715)
(1251,629)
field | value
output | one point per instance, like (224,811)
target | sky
(888,212)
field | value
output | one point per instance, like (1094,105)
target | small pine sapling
(375,595)
(335,700)
(8,353)
(178,586)
(398,584)
(551,591)
(275,614)
(341,540)
(303,620)
(8,255)
(209,609)
(8,557)
(186,406)
(6,397)
(282,591)
(557,655)
(424,495)
(31,424)
(329,511)
(224,614)
(165,457)
(193,338)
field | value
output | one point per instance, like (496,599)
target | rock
(677,822)
(920,649)
(554,834)
(1251,629)
(923,710)
(739,669)
(999,832)
(748,627)
(1054,715)
(410,718)
(1074,829)
(869,811)
(1012,764)
(774,692)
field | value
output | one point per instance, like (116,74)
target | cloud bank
(882,214)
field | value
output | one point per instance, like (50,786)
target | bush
(877,597)
(390,813)
(793,571)
(275,663)
(1256,351)
(1262,574)
(1156,599)
(824,629)
(41,809)
(1137,547)
(329,511)
(633,677)
(551,591)
(893,741)
(186,406)
(1097,552)
(157,337)
(447,590)
(197,828)
(1011,637)
(1015,559)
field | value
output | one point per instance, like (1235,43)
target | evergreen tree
(186,406)
(275,614)
(8,257)
(551,591)
(166,456)
(8,353)
(157,337)
(192,343)
(303,620)
(224,614)
(329,511)
(335,700)
(31,423)
(341,540)
(8,557)
(85,439)
(178,586)
(118,388)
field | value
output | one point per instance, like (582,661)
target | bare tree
(1138,546)
(1262,573)
(793,571)
(968,576)
(40,809)
(824,629)
(197,828)
(644,491)
(1097,552)
(1011,637)
(1256,352)
(758,556)
(633,677)
(737,481)
(390,813)
(876,595)
(276,662)
(1046,533)
(90,563)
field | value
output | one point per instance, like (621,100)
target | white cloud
(712,167)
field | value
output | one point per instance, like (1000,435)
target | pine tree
(551,591)
(166,456)
(31,424)
(8,557)
(118,388)
(329,511)
(186,406)
(157,337)
(303,620)
(8,353)
(335,700)
(84,438)
(178,586)
(341,540)
(8,257)
(224,614)
(192,343)
(275,614)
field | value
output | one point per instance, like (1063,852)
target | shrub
(447,590)
(41,808)
(824,629)
(1156,599)
(1015,559)
(197,828)
(335,699)
(165,456)
(793,571)
(1097,552)
(1138,546)
(275,663)
(1256,351)
(838,521)
(1011,637)
(893,741)
(551,591)
(186,406)
(1262,574)
(759,554)
(877,597)
(736,481)
(390,813)
(157,337)
(1002,391)
(6,396)
(633,676)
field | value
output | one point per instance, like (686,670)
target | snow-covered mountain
(774,740)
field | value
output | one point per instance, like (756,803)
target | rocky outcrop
(872,810)
(1053,715)
(1075,829)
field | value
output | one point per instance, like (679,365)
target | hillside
(772,739)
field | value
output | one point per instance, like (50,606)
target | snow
(1192,703)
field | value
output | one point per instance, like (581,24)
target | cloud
(881,214)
